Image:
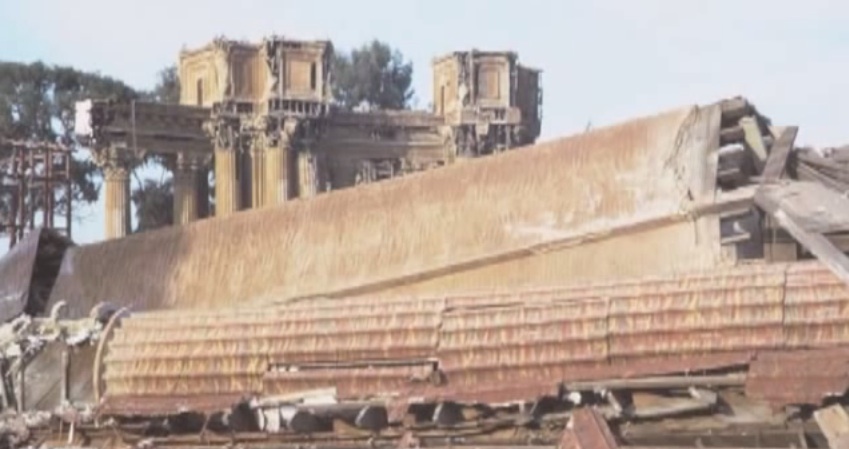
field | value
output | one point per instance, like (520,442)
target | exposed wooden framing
(816,243)
(777,160)
(755,141)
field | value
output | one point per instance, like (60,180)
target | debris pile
(667,305)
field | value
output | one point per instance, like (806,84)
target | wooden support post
(64,391)
(777,160)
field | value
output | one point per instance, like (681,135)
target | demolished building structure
(639,285)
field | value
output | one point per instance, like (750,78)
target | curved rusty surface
(484,213)
(503,347)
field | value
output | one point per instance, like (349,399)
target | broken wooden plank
(728,136)
(754,139)
(834,423)
(816,243)
(776,162)
(733,109)
(665,382)
(813,206)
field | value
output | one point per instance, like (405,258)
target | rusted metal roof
(27,273)
(430,226)
(515,347)
(799,377)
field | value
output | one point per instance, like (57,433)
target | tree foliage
(167,89)
(37,103)
(374,74)
(152,198)
(154,201)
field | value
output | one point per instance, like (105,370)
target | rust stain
(513,346)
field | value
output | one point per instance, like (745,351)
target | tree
(167,89)
(154,201)
(374,74)
(37,103)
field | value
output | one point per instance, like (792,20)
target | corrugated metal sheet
(516,205)
(28,271)
(511,346)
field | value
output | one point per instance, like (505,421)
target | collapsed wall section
(645,178)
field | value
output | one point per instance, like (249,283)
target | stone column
(115,164)
(227,189)
(226,137)
(277,171)
(186,174)
(257,175)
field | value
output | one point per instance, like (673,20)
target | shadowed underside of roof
(416,228)
(28,271)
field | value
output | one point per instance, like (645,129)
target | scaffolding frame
(31,175)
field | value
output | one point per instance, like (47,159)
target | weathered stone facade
(297,144)
(274,133)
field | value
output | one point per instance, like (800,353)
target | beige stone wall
(445,94)
(249,74)
(493,81)
(200,77)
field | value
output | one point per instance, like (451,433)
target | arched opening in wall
(313,76)
(199,92)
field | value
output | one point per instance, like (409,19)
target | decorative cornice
(112,158)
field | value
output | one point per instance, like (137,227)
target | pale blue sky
(602,61)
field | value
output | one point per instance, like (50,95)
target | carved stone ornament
(224,132)
(191,162)
(114,161)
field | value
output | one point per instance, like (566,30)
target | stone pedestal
(116,183)
(227,189)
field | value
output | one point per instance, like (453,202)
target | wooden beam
(777,160)
(659,383)
(816,243)
(754,139)
(834,423)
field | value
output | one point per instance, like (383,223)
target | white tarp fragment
(82,118)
